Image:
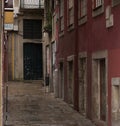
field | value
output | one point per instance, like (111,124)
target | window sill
(115,4)
(82,20)
(98,11)
(96,8)
(32,40)
(61,33)
(70,27)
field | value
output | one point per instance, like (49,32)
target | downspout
(109,98)
(2,86)
(76,82)
(57,49)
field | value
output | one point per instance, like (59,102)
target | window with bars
(82,7)
(32,29)
(70,12)
(61,15)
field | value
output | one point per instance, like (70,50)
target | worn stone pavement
(30,105)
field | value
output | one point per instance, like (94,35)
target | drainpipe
(109,98)
(2,86)
(57,51)
(76,83)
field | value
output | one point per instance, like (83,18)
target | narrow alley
(29,104)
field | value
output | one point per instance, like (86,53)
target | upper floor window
(8,4)
(82,11)
(61,15)
(82,7)
(98,7)
(97,4)
(70,12)
(115,2)
(32,29)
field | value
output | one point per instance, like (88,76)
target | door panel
(33,69)
(102,90)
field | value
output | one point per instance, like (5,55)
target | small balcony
(31,4)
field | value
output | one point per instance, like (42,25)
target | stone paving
(30,105)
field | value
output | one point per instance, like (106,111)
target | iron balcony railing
(31,4)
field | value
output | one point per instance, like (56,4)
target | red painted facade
(91,37)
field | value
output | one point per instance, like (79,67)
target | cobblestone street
(30,105)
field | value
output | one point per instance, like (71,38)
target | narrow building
(50,38)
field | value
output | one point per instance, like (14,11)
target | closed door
(33,64)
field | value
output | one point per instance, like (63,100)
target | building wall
(50,42)
(15,41)
(93,36)
(18,39)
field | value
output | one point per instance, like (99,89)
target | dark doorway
(70,82)
(102,89)
(61,85)
(33,62)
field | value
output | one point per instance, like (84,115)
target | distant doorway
(33,61)
(61,81)
(70,82)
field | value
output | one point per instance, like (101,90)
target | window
(8,4)
(115,2)
(97,3)
(70,12)
(82,11)
(61,15)
(98,7)
(82,6)
(32,29)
